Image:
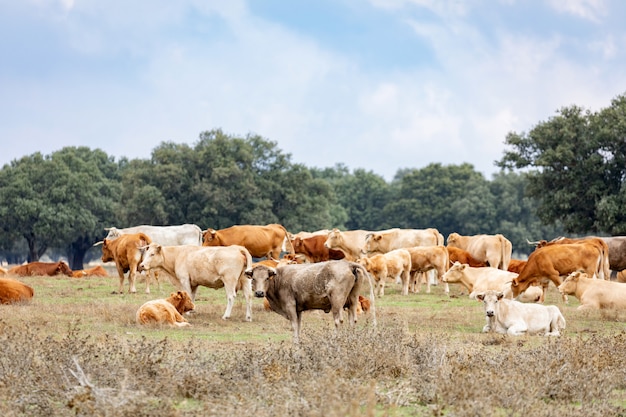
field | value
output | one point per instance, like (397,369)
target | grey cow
(328,286)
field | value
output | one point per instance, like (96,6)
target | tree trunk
(76,252)
(33,254)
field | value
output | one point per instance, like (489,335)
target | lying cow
(392,266)
(189,266)
(261,241)
(328,286)
(96,271)
(41,269)
(166,311)
(514,318)
(126,252)
(594,293)
(13,291)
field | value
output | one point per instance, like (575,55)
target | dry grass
(75,350)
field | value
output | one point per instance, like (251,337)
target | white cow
(189,266)
(514,318)
(184,234)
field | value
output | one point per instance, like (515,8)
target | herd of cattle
(328,269)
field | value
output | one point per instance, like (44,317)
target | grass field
(76,350)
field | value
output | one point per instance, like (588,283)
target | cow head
(298,245)
(518,287)
(209,238)
(490,299)
(63,268)
(453,239)
(334,239)
(568,287)
(261,276)
(181,301)
(152,257)
(455,273)
(372,243)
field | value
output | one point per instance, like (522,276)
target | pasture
(76,350)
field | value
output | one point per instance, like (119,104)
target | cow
(514,318)
(394,265)
(388,240)
(189,266)
(594,293)
(41,269)
(261,241)
(3,271)
(516,265)
(621,276)
(425,259)
(350,242)
(313,249)
(480,279)
(493,249)
(328,286)
(96,271)
(552,262)
(305,235)
(463,257)
(184,234)
(166,310)
(126,251)
(603,270)
(13,291)
(617,252)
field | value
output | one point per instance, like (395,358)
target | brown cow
(2,271)
(350,242)
(14,291)
(261,241)
(96,271)
(552,262)
(426,259)
(41,269)
(603,270)
(328,286)
(516,265)
(463,257)
(391,266)
(126,252)
(388,240)
(168,310)
(493,249)
(313,249)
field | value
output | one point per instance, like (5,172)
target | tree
(575,163)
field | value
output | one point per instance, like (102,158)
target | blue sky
(378,84)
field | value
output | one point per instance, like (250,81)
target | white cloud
(592,10)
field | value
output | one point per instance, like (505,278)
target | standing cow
(388,240)
(328,286)
(350,242)
(190,266)
(126,252)
(493,249)
(261,241)
(184,234)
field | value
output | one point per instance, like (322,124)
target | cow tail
(357,270)
(505,257)
(287,245)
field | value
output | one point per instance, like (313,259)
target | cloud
(592,10)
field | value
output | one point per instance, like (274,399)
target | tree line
(563,176)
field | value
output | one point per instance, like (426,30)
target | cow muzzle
(490,313)
(259,294)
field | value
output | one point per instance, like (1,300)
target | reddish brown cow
(426,259)
(313,249)
(603,269)
(96,271)
(41,269)
(516,265)
(14,291)
(463,257)
(552,262)
(261,241)
(126,253)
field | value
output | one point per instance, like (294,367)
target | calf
(13,291)
(41,269)
(428,259)
(126,251)
(328,286)
(96,271)
(168,310)
(313,249)
(514,318)
(594,293)
(463,257)
(394,265)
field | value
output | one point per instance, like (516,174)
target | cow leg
(517,329)
(246,286)
(147,275)
(120,272)
(131,279)
(230,298)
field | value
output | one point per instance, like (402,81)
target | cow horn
(98,243)
(532,243)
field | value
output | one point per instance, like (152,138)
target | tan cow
(166,311)
(493,249)
(189,266)
(350,242)
(425,259)
(13,291)
(96,271)
(261,241)
(392,266)
(388,240)
(126,252)
(594,293)
(552,262)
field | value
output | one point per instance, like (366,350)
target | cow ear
(480,296)
(272,272)
(514,283)
(248,272)
(500,295)
(378,237)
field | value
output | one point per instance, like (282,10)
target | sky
(381,85)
